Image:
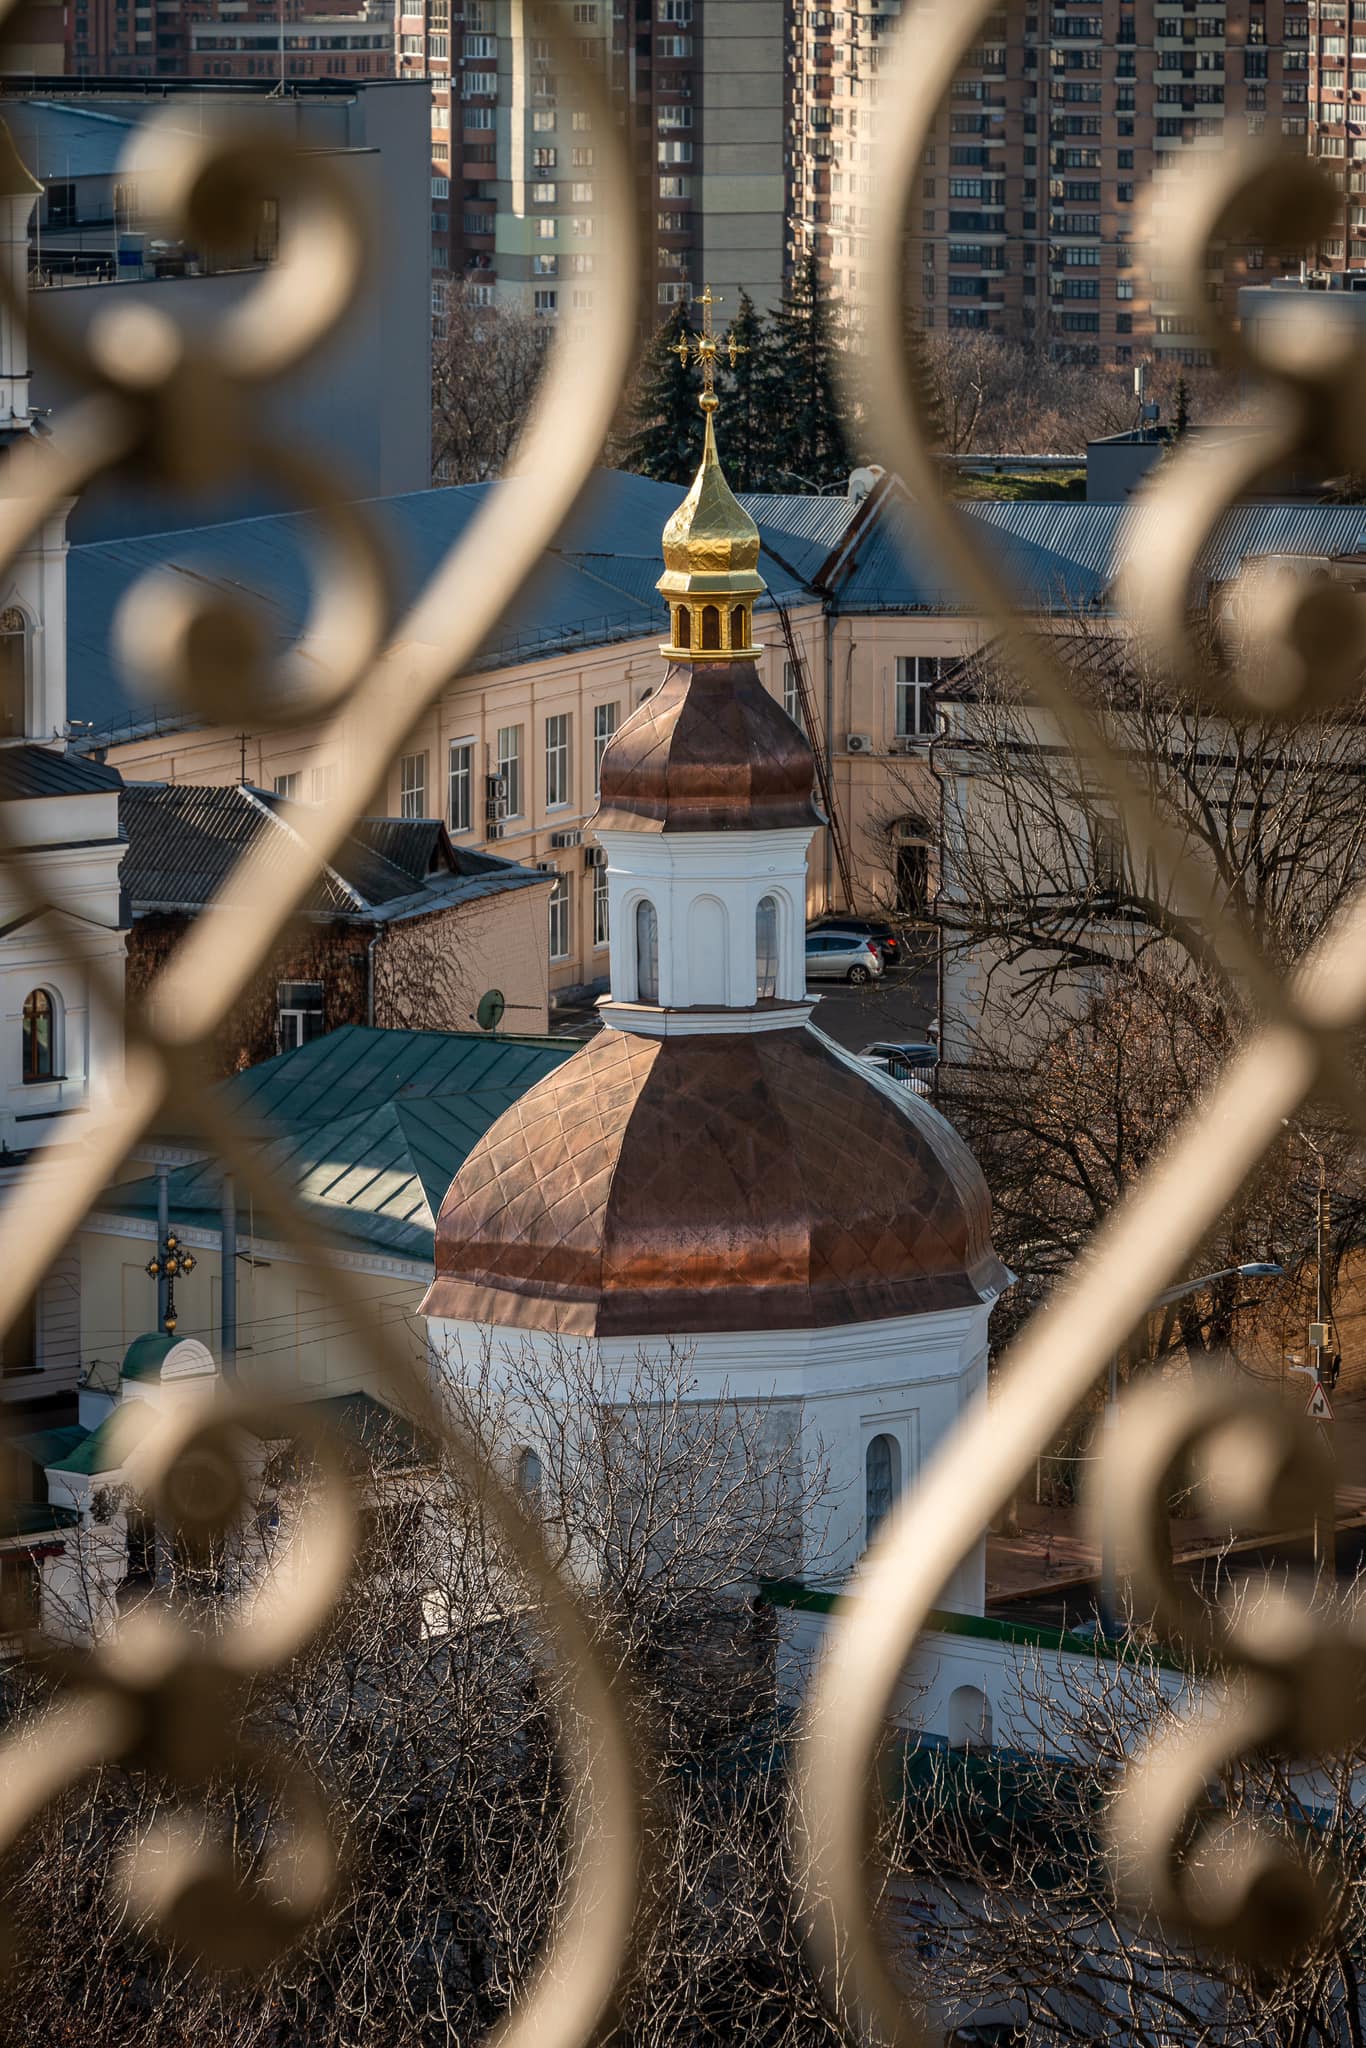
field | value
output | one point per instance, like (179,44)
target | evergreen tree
(747,426)
(1182,417)
(666,427)
(804,400)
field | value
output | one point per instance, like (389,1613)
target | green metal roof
(368,1129)
(43,1446)
(103,1449)
(146,1355)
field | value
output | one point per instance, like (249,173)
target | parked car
(841,956)
(875,928)
(910,1061)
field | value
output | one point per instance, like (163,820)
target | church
(710,1176)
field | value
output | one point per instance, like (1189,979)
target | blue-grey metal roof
(365,1128)
(185,841)
(41,771)
(1100,537)
(58,140)
(892,565)
(594,587)
(800,531)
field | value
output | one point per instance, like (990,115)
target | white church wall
(910,1375)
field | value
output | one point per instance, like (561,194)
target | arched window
(13,673)
(40,1035)
(969,1718)
(529,1476)
(766,948)
(647,953)
(711,626)
(683,631)
(738,635)
(882,1480)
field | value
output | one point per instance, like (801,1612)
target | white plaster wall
(912,1376)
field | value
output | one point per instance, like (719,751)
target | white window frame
(412,785)
(508,760)
(558,916)
(602,918)
(603,735)
(558,739)
(289,785)
(917,676)
(454,775)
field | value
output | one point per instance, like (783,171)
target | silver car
(841,956)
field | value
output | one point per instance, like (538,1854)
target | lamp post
(1252,1269)
(169,1262)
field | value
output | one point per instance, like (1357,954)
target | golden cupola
(711,545)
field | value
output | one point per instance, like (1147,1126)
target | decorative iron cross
(702,349)
(171,1260)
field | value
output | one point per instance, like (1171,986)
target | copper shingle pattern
(710,751)
(754,1181)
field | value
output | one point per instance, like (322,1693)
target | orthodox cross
(703,349)
(171,1260)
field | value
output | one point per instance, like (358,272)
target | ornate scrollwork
(1288,1677)
(1061,1353)
(172,404)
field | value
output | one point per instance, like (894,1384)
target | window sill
(44,1080)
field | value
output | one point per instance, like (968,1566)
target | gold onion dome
(711,545)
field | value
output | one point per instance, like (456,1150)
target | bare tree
(1004,1850)
(429,1711)
(486,363)
(1087,1010)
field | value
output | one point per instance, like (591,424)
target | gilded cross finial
(703,349)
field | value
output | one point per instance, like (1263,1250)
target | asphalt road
(900,1005)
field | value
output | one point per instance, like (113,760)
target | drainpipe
(828,622)
(163,1225)
(227,1286)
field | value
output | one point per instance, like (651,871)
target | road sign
(1317,1405)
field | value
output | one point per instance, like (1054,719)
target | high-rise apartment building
(1334,35)
(1029,219)
(516,164)
(279,40)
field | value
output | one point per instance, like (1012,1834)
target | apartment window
(545,160)
(545,302)
(322,783)
(675,188)
(543,121)
(557,759)
(441,188)
(605,718)
(480,117)
(674,152)
(543,195)
(602,924)
(545,228)
(581,194)
(509,766)
(585,13)
(288,785)
(581,158)
(299,1017)
(39,1036)
(792,696)
(460,786)
(545,266)
(412,786)
(916,677)
(559,918)
(481,46)
(479,85)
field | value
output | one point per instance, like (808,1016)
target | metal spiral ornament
(173,404)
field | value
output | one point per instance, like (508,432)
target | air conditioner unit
(574,838)
(493,830)
(858,743)
(545,867)
(595,856)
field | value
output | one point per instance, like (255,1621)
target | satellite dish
(489,1014)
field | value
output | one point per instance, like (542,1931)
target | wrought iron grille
(163,402)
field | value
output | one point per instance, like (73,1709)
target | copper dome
(758,1181)
(710,751)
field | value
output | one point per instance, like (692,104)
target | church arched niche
(881,1482)
(13,673)
(766,948)
(647,952)
(711,626)
(738,635)
(969,1718)
(708,947)
(41,1020)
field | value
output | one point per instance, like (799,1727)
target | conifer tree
(804,399)
(666,427)
(747,442)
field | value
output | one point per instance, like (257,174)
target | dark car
(875,929)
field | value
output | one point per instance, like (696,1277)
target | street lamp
(1251,1269)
